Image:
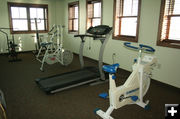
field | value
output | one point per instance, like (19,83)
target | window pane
(15,12)
(164,27)
(36,13)
(97,9)
(177,7)
(33,13)
(174,32)
(71,12)
(130,8)
(76,12)
(70,25)
(89,23)
(18,12)
(128,26)
(116,27)
(96,22)
(90,10)
(118,4)
(23,12)
(40,13)
(40,25)
(73,17)
(76,24)
(20,25)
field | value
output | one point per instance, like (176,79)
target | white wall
(168,58)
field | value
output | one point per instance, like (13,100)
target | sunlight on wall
(20,44)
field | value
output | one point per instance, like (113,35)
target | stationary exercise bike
(135,87)
(60,54)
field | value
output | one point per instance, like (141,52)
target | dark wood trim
(27,5)
(10,17)
(28,32)
(47,18)
(123,37)
(114,15)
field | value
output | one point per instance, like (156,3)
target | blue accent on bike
(134,98)
(96,110)
(103,95)
(113,77)
(147,48)
(141,46)
(147,107)
(128,44)
(111,68)
(135,60)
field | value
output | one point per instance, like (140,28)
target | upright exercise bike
(135,87)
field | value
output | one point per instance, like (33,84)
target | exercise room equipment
(11,46)
(135,87)
(54,54)
(84,75)
(89,59)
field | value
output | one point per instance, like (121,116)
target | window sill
(73,32)
(27,32)
(125,38)
(169,44)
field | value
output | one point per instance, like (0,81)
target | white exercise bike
(135,87)
(61,55)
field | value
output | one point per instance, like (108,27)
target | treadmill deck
(68,80)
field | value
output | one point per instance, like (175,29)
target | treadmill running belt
(49,84)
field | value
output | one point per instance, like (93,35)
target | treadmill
(85,75)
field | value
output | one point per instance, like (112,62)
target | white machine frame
(134,89)
(60,54)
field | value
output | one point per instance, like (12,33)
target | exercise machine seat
(110,68)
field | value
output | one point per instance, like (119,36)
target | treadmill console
(99,30)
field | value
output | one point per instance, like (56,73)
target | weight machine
(60,54)
(11,46)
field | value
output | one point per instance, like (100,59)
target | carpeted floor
(26,101)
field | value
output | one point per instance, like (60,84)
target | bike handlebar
(141,46)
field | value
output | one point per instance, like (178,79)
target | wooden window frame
(125,37)
(72,4)
(93,12)
(166,42)
(28,6)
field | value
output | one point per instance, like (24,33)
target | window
(22,17)
(73,22)
(93,13)
(126,19)
(169,30)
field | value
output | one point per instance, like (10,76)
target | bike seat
(110,68)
